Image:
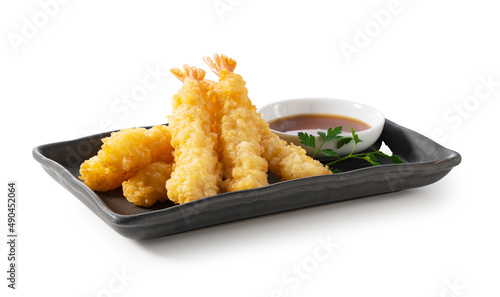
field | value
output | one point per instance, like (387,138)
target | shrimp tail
(220,63)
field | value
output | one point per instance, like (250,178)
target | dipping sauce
(312,123)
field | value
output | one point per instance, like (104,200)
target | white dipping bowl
(371,116)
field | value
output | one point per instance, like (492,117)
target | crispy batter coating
(100,178)
(132,149)
(215,142)
(148,185)
(288,161)
(197,171)
(123,154)
(240,146)
(285,161)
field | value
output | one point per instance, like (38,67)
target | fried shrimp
(286,161)
(239,139)
(100,178)
(216,142)
(197,172)
(148,185)
(135,148)
(123,154)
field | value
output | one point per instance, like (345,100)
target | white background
(65,69)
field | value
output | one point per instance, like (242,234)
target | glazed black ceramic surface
(425,162)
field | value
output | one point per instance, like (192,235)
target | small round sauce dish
(289,117)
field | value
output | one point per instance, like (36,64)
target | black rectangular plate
(425,162)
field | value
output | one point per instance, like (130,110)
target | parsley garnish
(334,135)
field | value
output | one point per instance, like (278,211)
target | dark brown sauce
(312,123)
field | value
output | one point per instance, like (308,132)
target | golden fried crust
(158,143)
(287,161)
(100,178)
(134,148)
(240,146)
(148,185)
(197,171)
(216,142)
(123,154)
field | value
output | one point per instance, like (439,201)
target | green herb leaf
(322,135)
(343,141)
(329,153)
(396,159)
(372,157)
(334,135)
(381,154)
(369,158)
(307,139)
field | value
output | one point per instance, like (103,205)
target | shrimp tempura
(101,178)
(135,148)
(286,161)
(148,185)
(197,172)
(123,154)
(239,138)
